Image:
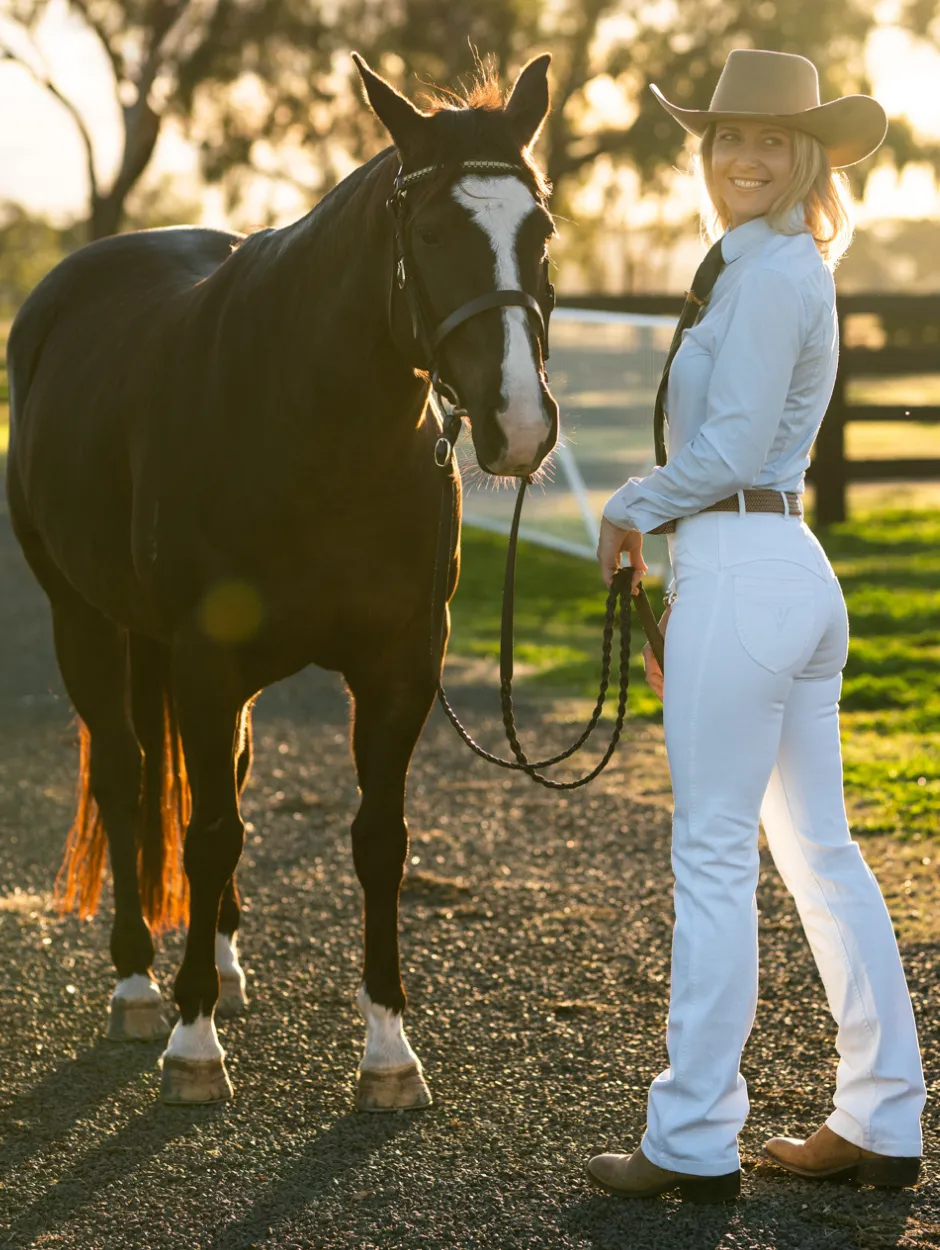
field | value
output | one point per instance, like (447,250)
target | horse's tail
(163,806)
(164,798)
(78,883)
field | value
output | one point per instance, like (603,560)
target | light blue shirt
(749,385)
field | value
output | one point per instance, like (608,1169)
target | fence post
(828,471)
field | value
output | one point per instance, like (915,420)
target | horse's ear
(527,106)
(399,116)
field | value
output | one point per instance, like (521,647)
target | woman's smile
(751,164)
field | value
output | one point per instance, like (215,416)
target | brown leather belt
(756,500)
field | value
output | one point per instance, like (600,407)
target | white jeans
(756,643)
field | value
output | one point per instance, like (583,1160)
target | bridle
(427,333)
(427,337)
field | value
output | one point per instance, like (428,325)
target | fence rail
(882,336)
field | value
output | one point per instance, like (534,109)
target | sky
(42,161)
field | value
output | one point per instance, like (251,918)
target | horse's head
(472,222)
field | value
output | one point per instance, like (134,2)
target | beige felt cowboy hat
(785,87)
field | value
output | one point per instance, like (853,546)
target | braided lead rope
(620,590)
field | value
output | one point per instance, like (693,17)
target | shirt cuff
(617,507)
(627,509)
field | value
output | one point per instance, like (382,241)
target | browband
(404,181)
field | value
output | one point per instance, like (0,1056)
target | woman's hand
(611,543)
(654,674)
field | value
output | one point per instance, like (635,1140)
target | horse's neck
(324,282)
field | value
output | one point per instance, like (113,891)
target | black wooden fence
(882,336)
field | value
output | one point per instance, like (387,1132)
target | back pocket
(775,620)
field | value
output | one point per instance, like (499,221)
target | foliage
(253,85)
(29,247)
(162,53)
(889,567)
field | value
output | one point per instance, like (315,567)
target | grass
(889,567)
(560,602)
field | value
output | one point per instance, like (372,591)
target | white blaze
(500,206)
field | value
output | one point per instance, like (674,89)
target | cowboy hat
(785,88)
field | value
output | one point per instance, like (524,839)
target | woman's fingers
(654,674)
(611,542)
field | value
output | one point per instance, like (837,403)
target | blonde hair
(825,195)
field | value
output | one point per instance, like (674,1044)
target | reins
(619,598)
(617,611)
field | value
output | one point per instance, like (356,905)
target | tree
(268,86)
(161,54)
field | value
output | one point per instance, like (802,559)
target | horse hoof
(232,997)
(396,1089)
(142,1021)
(187,1082)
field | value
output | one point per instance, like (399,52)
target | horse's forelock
(467,125)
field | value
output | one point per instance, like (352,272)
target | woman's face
(750,166)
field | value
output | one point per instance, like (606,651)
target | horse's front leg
(391,705)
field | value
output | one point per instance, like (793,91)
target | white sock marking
(386,1044)
(226,956)
(137,989)
(499,206)
(198,1040)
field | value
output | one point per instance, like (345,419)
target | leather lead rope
(617,613)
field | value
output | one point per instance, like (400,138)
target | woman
(757,638)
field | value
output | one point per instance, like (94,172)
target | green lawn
(889,567)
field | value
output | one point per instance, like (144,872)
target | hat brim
(850,128)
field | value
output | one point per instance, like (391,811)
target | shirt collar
(735,243)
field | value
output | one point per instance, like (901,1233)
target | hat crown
(755,81)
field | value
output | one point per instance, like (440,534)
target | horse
(210,434)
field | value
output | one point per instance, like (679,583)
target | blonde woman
(757,638)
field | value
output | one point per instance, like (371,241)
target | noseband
(427,336)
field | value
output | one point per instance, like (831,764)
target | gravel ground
(536,936)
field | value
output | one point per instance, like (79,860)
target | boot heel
(889,1173)
(701,1189)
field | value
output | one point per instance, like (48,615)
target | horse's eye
(429,237)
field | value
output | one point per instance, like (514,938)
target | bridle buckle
(443,450)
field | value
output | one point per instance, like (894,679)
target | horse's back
(121,280)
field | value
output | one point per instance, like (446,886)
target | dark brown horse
(210,439)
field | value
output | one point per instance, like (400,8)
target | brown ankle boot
(826,1155)
(634,1176)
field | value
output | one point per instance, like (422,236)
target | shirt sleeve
(746,397)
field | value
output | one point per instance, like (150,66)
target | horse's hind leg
(92,655)
(210,714)
(233,997)
(391,705)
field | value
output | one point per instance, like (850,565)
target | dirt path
(536,943)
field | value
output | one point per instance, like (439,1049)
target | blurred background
(121,114)
(240,113)
(118,114)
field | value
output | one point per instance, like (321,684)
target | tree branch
(44,81)
(118,67)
